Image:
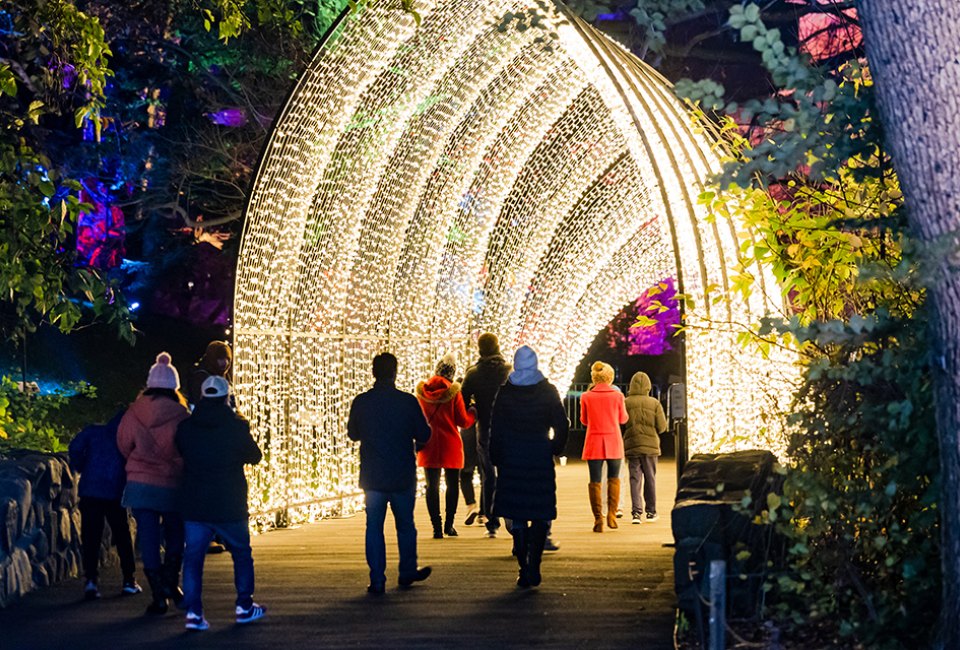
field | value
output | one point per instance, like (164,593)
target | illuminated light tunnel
(427,183)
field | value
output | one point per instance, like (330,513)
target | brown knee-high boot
(596,506)
(613,501)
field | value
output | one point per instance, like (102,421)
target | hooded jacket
(602,412)
(522,450)
(443,406)
(215,444)
(145,438)
(647,419)
(94,454)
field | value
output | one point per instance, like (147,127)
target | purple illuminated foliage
(233,117)
(100,230)
(659,312)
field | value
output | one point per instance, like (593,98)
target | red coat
(602,410)
(443,406)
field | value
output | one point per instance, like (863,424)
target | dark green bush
(43,422)
(860,507)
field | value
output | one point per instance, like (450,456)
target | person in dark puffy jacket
(94,454)
(641,443)
(215,444)
(443,406)
(525,411)
(481,382)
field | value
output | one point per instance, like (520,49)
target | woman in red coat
(446,413)
(602,410)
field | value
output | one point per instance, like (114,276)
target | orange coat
(145,438)
(602,410)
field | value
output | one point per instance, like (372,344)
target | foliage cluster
(167,105)
(46,75)
(807,172)
(41,422)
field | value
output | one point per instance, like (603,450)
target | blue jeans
(401,503)
(155,528)
(236,537)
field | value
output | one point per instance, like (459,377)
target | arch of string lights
(427,183)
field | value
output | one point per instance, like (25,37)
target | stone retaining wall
(39,523)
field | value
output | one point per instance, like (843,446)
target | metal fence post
(718,604)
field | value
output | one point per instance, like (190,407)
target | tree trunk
(913,48)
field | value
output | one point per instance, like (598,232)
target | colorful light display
(425,184)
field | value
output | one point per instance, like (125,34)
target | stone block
(39,523)
(20,490)
(9,525)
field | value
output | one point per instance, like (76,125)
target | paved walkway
(613,590)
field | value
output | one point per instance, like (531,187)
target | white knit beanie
(447,366)
(163,374)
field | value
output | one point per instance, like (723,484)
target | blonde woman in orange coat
(602,410)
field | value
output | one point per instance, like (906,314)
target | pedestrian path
(613,590)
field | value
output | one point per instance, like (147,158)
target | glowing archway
(426,183)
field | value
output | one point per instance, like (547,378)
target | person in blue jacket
(94,455)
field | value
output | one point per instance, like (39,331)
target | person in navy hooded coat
(526,409)
(94,454)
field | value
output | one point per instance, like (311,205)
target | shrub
(42,422)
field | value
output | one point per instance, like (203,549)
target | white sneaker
(196,622)
(651,517)
(637,519)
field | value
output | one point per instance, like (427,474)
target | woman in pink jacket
(146,438)
(602,410)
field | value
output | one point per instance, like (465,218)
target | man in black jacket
(480,385)
(389,425)
(215,444)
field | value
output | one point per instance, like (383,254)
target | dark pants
(155,528)
(452,478)
(595,467)
(488,486)
(236,537)
(93,512)
(466,485)
(401,504)
(643,478)
(469,465)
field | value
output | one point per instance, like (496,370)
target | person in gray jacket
(641,446)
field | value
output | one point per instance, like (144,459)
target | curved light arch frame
(392,177)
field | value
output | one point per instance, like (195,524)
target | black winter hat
(488,344)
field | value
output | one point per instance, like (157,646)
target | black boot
(171,578)
(157,606)
(521,544)
(538,538)
(437,527)
(448,528)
